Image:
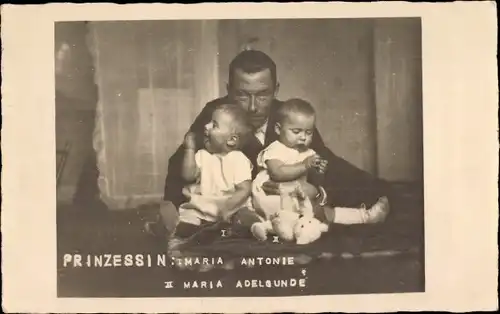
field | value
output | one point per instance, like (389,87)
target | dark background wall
(330,64)
(362,75)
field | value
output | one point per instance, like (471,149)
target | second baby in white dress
(289,161)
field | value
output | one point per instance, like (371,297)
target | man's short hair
(252,61)
(295,105)
(241,123)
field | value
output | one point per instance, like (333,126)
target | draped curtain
(153,78)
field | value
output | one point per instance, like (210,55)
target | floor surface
(93,230)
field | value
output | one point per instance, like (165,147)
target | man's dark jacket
(345,184)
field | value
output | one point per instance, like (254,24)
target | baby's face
(296,131)
(218,132)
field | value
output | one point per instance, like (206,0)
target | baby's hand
(322,165)
(190,141)
(311,161)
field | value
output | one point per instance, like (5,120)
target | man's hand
(190,141)
(272,188)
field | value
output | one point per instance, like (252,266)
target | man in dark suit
(253,84)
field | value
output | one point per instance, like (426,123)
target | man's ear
(276,89)
(233,140)
(277,128)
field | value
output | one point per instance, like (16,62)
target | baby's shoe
(169,217)
(259,231)
(379,211)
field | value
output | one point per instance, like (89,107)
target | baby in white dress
(289,160)
(218,177)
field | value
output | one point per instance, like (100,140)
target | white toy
(308,230)
(283,224)
(295,220)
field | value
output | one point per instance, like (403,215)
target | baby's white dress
(266,205)
(218,177)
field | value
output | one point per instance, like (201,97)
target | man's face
(255,92)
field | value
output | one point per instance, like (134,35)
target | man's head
(296,122)
(228,129)
(253,84)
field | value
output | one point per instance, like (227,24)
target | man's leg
(362,188)
(348,186)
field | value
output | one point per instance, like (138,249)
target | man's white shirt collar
(260,133)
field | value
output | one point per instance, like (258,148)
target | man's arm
(189,168)
(344,183)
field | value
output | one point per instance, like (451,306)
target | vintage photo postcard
(249,157)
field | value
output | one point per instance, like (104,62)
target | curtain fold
(150,90)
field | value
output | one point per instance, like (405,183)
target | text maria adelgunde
(162,260)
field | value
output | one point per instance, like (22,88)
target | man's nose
(208,126)
(252,106)
(302,136)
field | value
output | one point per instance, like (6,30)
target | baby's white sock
(349,216)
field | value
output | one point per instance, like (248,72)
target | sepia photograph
(240,157)
(249,157)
